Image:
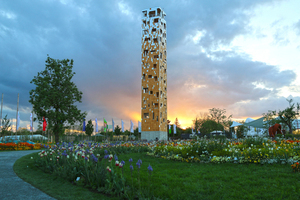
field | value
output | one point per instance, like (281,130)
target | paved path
(11,186)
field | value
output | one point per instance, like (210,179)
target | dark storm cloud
(104,39)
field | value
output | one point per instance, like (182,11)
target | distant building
(154,75)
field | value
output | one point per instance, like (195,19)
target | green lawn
(53,186)
(177,180)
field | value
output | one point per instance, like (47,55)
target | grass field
(180,180)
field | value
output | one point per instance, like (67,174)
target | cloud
(104,39)
(297,27)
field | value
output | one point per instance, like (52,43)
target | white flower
(78,178)
(31,157)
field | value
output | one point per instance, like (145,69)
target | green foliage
(210,125)
(89,128)
(56,187)
(6,126)
(241,131)
(188,130)
(126,132)
(218,115)
(55,95)
(197,124)
(284,117)
(289,114)
(117,130)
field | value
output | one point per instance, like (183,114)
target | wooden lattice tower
(154,75)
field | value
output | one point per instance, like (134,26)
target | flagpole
(32,119)
(17,115)
(1,111)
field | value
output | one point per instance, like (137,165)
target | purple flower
(140,161)
(105,151)
(123,162)
(106,156)
(86,158)
(64,153)
(138,165)
(150,169)
(95,159)
(116,157)
(130,160)
(131,167)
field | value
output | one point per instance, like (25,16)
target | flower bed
(19,146)
(93,165)
(252,150)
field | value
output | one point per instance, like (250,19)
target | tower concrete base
(152,135)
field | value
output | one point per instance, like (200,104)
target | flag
(122,125)
(105,125)
(83,127)
(131,126)
(113,125)
(174,127)
(140,127)
(170,131)
(18,121)
(96,123)
(44,124)
(31,125)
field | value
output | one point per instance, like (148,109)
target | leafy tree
(241,130)
(6,126)
(289,114)
(126,132)
(136,132)
(270,119)
(284,117)
(210,125)
(117,130)
(55,95)
(218,115)
(89,128)
(188,130)
(197,123)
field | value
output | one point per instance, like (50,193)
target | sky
(238,55)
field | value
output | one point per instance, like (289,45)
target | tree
(210,125)
(288,115)
(284,117)
(89,128)
(218,115)
(241,131)
(197,123)
(6,126)
(55,95)
(117,130)
(270,119)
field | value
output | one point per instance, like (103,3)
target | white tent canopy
(234,124)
